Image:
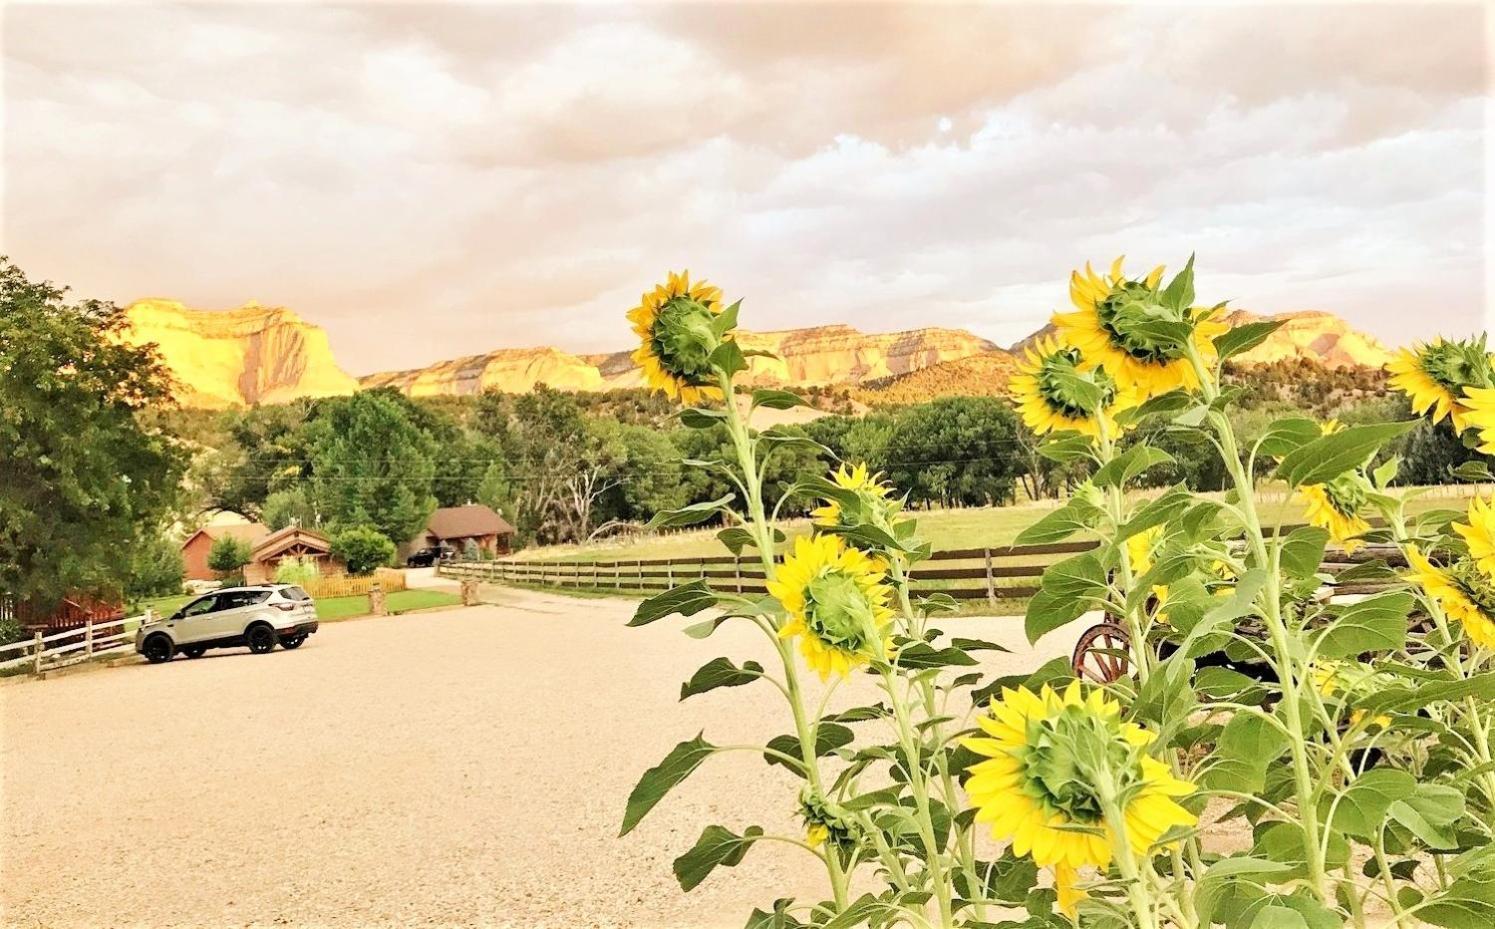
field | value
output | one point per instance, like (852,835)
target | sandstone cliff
(254,354)
(821,355)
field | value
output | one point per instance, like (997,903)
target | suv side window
(232,601)
(199,607)
(295,593)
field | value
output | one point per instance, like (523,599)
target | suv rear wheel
(157,648)
(194,651)
(293,641)
(260,638)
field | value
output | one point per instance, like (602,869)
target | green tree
(81,478)
(228,555)
(372,465)
(363,548)
(955,451)
(291,507)
(155,568)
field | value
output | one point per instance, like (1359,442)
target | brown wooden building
(197,546)
(457,525)
(290,542)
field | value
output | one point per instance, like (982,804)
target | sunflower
(825,821)
(1464,592)
(1049,400)
(1335,506)
(1140,552)
(1105,328)
(1047,754)
(1479,534)
(872,504)
(1479,414)
(837,600)
(1438,375)
(676,326)
(1332,677)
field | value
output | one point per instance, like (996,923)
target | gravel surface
(463,767)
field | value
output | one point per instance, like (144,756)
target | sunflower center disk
(838,611)
(1130,315)
(1067,754)
(684,339)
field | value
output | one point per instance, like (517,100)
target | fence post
(991,584)
(36,647)
(669,573)
(737,571)
(88,636)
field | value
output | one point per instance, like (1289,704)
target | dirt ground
(464,767)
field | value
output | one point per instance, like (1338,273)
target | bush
(363,548)
(470,550)
(296,571)
(228,556)
(155,569)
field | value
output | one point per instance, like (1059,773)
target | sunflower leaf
(1377,624)
(921,656)
(690,515)
(726,320)
(1303,551)
(717,847)
(1362,806)
(1065,447)
(660,779)
(686,600)
(777,399)
(720,672)
(699,418)
(728,359)
(1048,611)
(1129,464)
(829,736)
(1075,515)
(1245,337)
(1329,456)
(1179,294)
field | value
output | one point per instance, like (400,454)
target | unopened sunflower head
(1437,376)
(826,823)
(1129,328)
(1055,390)
(1465,593)
(867,501)
(836,598)
(1054,762)
(1337,505)
(680,325)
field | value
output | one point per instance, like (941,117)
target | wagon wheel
(1102,654)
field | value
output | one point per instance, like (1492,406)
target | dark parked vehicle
(425,557)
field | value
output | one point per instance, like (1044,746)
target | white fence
(70,646)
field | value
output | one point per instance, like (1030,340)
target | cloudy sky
(435,180)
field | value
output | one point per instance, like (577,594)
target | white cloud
(433,181)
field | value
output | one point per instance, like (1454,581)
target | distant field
(945,529)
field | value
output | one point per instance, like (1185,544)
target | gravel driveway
(464,767)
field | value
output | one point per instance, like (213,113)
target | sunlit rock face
(1317,335)
(225,358)
(1313,334)
(823,355)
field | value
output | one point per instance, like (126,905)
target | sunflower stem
(918,784)
(1116,512)
(1288,676)
(762,531)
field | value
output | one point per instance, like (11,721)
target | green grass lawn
(945,529)
(333,609)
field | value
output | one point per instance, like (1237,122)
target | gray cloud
(428,181)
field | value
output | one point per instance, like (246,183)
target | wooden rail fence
(70,646)
(994,573)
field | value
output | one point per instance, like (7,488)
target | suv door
(193,622)
(234,611)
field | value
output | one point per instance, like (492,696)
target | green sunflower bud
(1075,760)
(1456,365)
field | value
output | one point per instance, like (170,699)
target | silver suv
(257,617)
